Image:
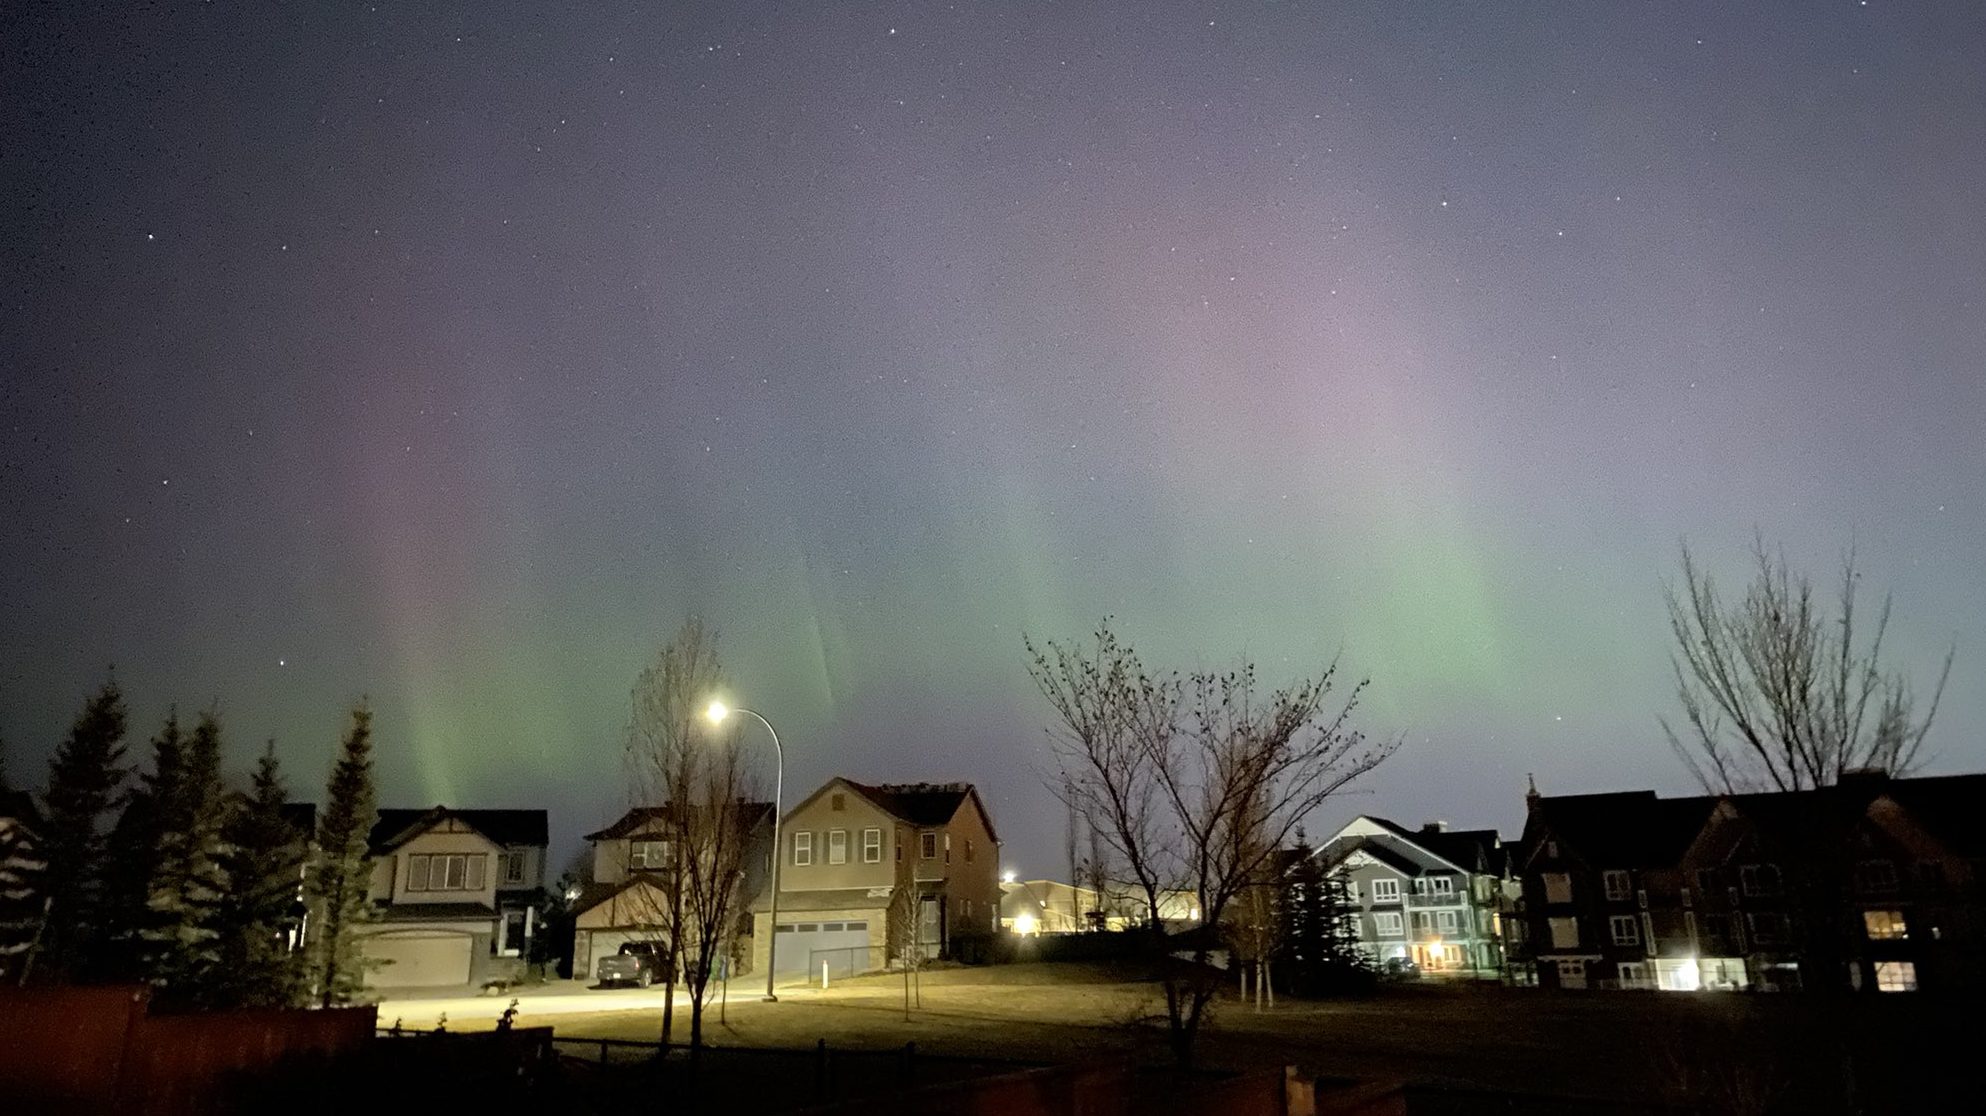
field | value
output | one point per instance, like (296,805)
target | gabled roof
(646,819)
(594,894)
(925,805)
(1629,829)
(1471,850)
(509,828)
(1341,849)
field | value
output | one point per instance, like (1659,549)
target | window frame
(1630,923)
(1621,877)
(803,848)
(1381,920)
(1385,889)
(506,860)
(1894,925)
(927,845)
(872,845)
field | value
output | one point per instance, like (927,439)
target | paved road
(534,1004)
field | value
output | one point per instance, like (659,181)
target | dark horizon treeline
(163,873)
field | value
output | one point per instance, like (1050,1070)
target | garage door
(844,946)
(427,961)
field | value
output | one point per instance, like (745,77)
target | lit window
(1884,925)
(803,849)
(1619,885)
(1896,976)
(872,846)
(1626,929)
(1386,891)
(1565,932)
(649,854)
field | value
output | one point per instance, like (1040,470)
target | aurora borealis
(450,355)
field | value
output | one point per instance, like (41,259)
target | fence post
(820,1069)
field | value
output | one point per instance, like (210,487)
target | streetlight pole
(717,712)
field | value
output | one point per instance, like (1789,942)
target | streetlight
(717,713)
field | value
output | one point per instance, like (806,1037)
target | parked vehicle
(638,963)
(1400,968)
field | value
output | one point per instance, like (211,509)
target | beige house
(628,898)
(454,894)
(863,866)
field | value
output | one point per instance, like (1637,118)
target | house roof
(1948,807)
(1385,849)
(509,828)
(594,894)
(1628,829)
(1472,850)
(640,818)
(925,804)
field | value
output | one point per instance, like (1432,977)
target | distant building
(1432,896)
(1872,884)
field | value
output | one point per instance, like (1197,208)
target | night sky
(454,357)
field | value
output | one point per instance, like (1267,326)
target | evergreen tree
(84,777)
(1320,930)
(343,869)
(260,913)
(186,885)
(135,854)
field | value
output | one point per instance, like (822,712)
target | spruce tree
(258,915)
(187,882)
(84,777)
(134,855)
(342,873)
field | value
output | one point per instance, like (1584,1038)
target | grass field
(1798,1053)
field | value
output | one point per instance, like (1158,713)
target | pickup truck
(638,963)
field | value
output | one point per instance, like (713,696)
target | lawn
(1619,1047)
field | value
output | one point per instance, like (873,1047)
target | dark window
(857,926)
(807,927)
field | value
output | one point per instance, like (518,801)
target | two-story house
(628,896)
(1431,896)
(455,894)
(865,868)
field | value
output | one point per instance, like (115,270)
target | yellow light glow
(1025,925)
(717,712)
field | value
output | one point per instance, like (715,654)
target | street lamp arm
(778,791)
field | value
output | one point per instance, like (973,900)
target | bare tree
(1778,693)
(720,816)
(666,732)
(1193,782)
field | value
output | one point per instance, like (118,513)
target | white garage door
(427,961)
(844,946)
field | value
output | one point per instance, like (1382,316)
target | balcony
(1452,899)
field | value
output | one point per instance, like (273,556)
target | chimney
(1435,826)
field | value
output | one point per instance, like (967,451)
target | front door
(1572,974)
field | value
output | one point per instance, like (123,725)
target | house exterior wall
(813,824)
(972,875)
(449,837)
(876,916)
